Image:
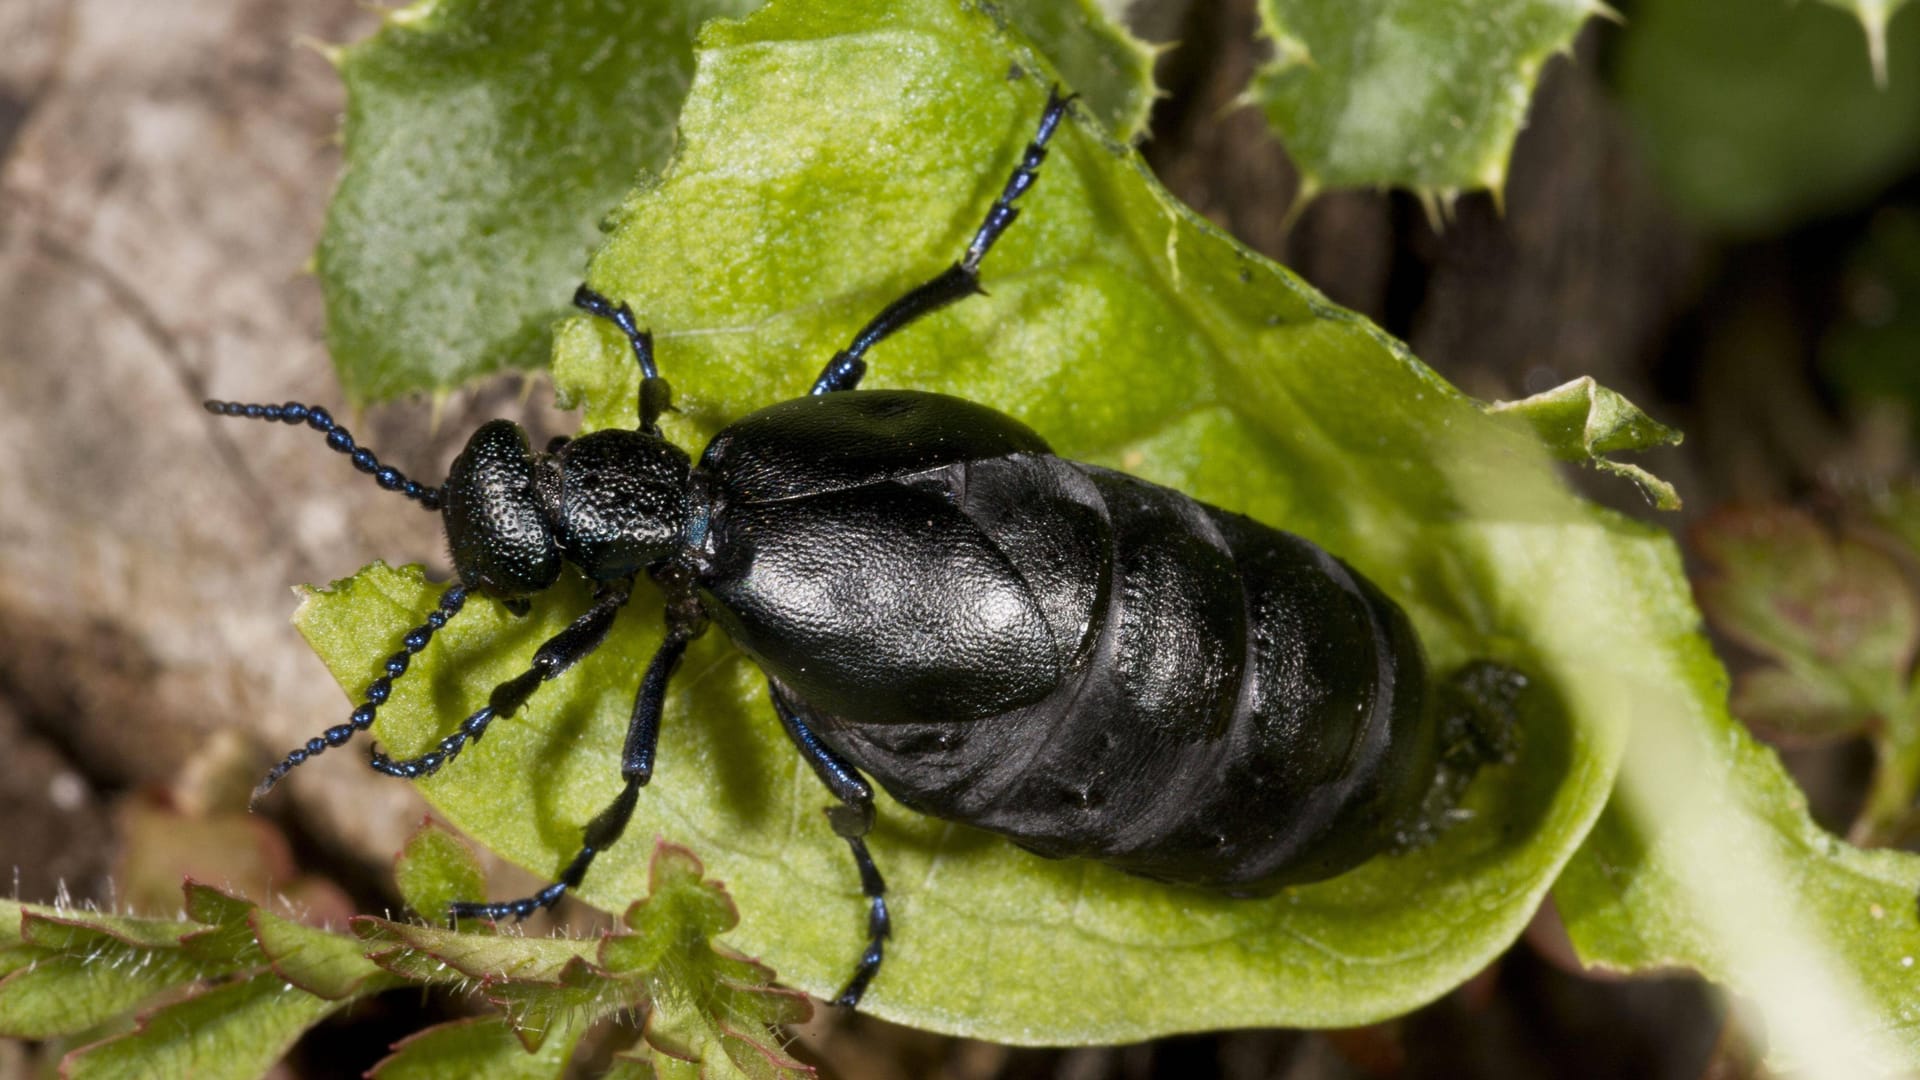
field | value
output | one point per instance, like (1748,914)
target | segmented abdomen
(1235,707)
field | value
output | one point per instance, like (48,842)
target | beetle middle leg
(685,621)
(958,281)
(851,820)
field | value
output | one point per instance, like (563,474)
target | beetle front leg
(851,821)
(557,654)
(636,768)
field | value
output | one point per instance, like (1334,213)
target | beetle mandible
(1090,664)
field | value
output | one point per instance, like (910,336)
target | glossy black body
(1085,662)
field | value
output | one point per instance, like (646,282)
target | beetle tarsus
(851,820)
(956,282)
(451,600)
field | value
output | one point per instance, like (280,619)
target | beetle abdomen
(1237,708)
(1091,664)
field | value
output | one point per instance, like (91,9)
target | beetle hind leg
(1479,725)
(852,819)
(956,282)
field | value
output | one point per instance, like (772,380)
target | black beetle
(1090,664)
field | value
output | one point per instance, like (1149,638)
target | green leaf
(1420,94)
(477,1046)
(1874,16)
(466,960)
(1708,860)
(485,139)
(708,1006)
(84,968)
(1757,114)
(719,1006)
(1584,421)
(236,1030)
(322,964)
(436,869)
(59,995)
(1096,57)
(804,197)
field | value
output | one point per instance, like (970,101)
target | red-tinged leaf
(236,1030)
(227,936)
(1793,710)
(1790,590)
(323,964)
(580,994)
(57,994)
(71,930)
(477,1047)
(711,1004)
(476,956)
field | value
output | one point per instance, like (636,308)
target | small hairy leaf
(55,995)
(325,965)
(235,1030)
(77,969)
(485,139)
(719,1007)
(1421,94)
(478,1046)
(464,960)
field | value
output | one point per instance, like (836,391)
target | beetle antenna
(362,718)
(655,396)
(320,420)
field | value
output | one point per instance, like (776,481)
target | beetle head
(497,529)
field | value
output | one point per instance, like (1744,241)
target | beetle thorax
(616,500)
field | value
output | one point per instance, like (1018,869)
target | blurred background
(1713,209)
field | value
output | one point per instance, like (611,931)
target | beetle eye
(496,527)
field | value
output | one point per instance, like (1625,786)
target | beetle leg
(851,820)
(956,282)
(656,396)
(636,768)
(560,652)
(451,601)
